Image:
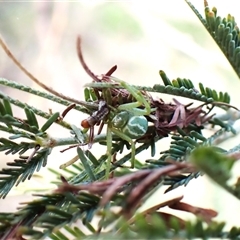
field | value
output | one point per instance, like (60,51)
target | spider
(127,121)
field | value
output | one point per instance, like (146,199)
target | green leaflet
(215,164)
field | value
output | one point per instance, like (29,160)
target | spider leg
(109,151)
(141,99)
(128,139)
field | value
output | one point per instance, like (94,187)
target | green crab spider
(127,126)
(128,121)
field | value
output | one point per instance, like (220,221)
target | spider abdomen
(136,127)
(130,125)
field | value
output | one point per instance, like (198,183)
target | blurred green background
(141,37)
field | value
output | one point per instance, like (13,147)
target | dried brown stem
(111,71)
(83,63)
(34,79)
(205,214)
(139,191)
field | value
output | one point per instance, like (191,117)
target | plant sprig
(94,185)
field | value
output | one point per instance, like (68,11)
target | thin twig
(83,63)
(49,89)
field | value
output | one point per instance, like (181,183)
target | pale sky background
(141,37)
